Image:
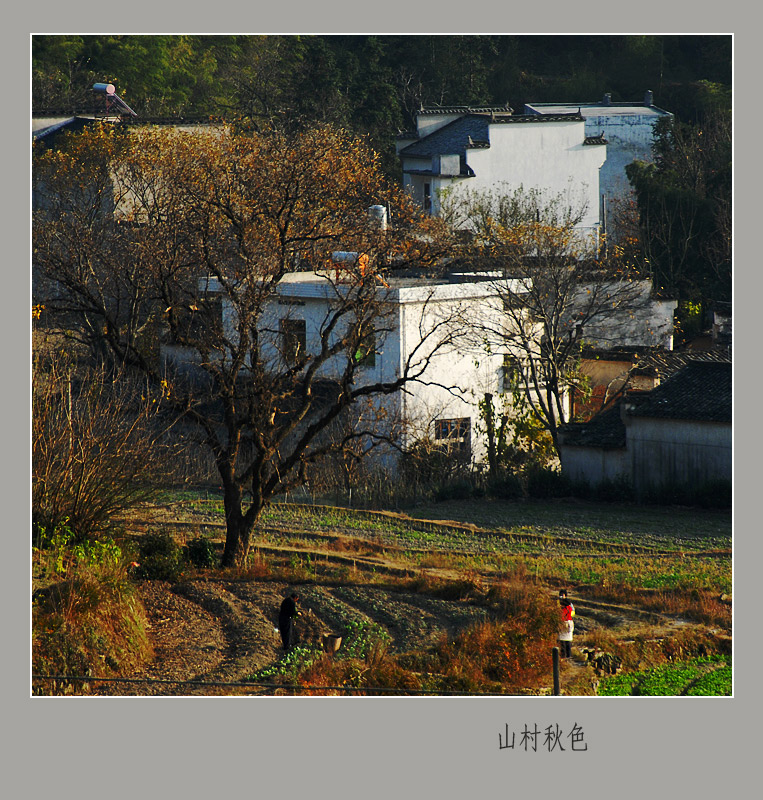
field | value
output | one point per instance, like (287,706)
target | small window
(293,339)
(511,372)
(365,355)
(454,436)
(201,321)
(427,198)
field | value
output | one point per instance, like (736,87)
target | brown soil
(216,632)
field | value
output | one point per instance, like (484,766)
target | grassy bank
(87,619)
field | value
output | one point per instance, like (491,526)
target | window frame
(293,332)
(454,435)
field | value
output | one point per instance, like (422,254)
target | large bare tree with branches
(553,291)
(154,241)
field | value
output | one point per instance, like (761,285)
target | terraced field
(399,575)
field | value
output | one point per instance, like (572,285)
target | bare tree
(98,443)
(553,293)
(204,230)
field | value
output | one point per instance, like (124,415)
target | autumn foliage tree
(132,228)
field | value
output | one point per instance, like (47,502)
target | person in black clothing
(286,618)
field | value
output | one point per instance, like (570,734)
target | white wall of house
(419,317)
(458,375)
(549,156)
(640,321)
(629,131)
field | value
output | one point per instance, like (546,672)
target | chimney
(607,99)
(648,98)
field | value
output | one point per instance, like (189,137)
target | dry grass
(89,624)
(695,604)
(508,653)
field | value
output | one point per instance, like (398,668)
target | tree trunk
(239,527)
(492,454)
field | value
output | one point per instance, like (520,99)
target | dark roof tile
(606,430)
(465,110)
(702,391)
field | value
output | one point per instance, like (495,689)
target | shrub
(90,624)
(160,557)
(545,483)
(711,494)
(201,552)
(506,487)
(613,490)
(580,487)
(455,490)
(97,444)
(714,494)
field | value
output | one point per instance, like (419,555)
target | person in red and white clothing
(565,635)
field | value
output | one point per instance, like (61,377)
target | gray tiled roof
(665,363)
(471,130)
(465,110)
(606,430)
(649,360)
(700,391)
(451,139)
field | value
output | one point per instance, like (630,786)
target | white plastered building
(464,149)
(628,129)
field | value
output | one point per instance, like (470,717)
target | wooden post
(555,657)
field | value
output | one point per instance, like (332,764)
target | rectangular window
(199,322)
(365,355)
(293,339)
(511,372)
(454,436)
(428,198)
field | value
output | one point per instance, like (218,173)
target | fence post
(555,658)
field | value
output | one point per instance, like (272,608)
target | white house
(478,149)
(628,129)
(419,330)
(642,318)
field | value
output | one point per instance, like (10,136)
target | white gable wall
(458,375)
(550,157)
(547,156)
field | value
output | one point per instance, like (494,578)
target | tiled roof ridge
(573,116)
(458,122)
(613,103)
(464,110)
(669,362)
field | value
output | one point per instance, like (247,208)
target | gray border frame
(346,747)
